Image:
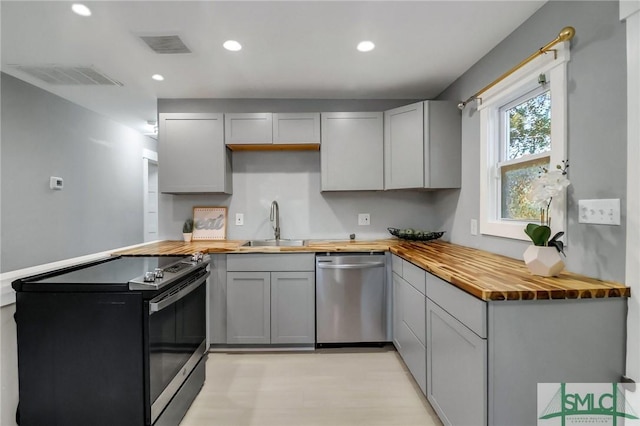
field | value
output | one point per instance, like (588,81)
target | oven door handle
(161,302)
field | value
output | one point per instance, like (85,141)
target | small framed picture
(209,223)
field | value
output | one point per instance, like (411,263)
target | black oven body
(97,353)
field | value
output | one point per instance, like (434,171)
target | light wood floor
(336,387)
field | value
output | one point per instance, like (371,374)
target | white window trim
(523,80)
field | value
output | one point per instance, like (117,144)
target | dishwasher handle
(351,265)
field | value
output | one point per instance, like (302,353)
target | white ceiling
(293,49)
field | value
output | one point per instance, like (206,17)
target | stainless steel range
(115,342)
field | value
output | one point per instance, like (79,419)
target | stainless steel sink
(275,243)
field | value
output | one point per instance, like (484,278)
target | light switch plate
(364,219)
(239,219)
(601,212)
(474,227)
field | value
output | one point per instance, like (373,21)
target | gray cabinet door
(456,369)
(296,128)
(403,147)
(292,307)
(218,299)
(406,314)
(192,155)
(414,311)
(248,128)
(443,145)
(351,153)
(248,307)
(397,311)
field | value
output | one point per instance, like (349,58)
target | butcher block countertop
(488,276)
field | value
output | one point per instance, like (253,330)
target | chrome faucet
(275,216)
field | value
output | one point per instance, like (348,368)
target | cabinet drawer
(280,262)
(465,308)
(414,275)
(396,264)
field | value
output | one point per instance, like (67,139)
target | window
(523,130)
(525,144)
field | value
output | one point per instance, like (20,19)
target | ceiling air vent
(166,45)
(68,75)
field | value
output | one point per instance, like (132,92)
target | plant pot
(544,261)
(187,237)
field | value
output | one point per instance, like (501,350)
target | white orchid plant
(548,185)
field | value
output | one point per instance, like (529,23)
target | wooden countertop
(488,276)
(172,248)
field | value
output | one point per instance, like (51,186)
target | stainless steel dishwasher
(351,298)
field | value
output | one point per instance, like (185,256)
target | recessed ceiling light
(81,9)
(157,77)
(366,46)
(232,45)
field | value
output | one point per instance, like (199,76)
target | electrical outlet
(239,219)
(364,219)
(56,183)
(602,212)
(474,226)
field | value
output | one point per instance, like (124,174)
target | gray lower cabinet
(192,154)
(248,307)
(456,369)
(351,152)
(485,359)
(550,341)
(397,312)
(270,299)
(292,307)
(409,318)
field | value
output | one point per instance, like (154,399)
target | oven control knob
(149,277)
(159,273)
(197,257)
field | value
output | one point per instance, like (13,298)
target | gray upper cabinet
(296,128)
(248,128)
(422,146)
(404,147)
(192,155)
(351,152)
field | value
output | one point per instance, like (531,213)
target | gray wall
(597,132)
(293,179)
(100,207)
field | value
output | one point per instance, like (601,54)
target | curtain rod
(565,34)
